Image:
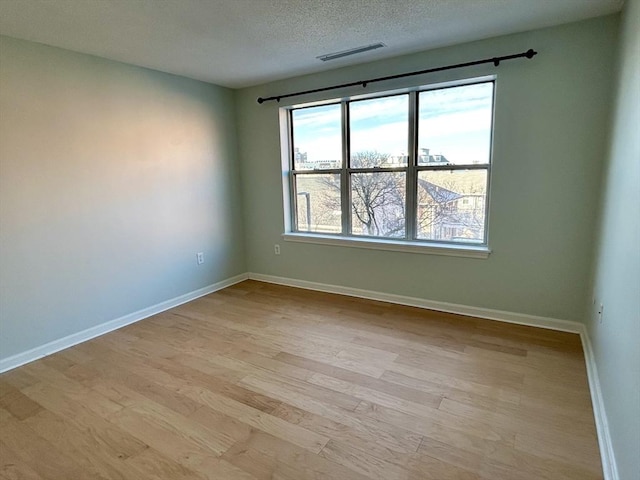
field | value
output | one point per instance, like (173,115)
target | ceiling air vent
(352,51)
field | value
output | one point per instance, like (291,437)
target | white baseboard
(503,316)
(609,466)
(22,358)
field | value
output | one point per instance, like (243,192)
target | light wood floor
(266,382)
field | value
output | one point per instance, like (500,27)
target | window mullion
(453,166)
(292,178)
(377,170)
(345,180)
(318,171)
(411,200)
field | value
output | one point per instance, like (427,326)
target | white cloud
(454,122)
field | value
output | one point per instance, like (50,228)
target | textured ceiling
(237,43)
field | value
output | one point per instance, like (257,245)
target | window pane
(379,132)
(378,204)
(317,137)
(318,203)
(451,205)
(454,125)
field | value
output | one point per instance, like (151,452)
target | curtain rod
(495,60)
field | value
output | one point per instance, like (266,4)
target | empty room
(320,239)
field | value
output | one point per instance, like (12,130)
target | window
(406,168)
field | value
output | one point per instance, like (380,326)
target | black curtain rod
(495,60)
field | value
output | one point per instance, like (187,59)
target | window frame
(410,242)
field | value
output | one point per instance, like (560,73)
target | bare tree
(377,198)
(447,207)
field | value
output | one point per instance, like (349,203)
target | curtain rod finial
(260,100)
(531,53)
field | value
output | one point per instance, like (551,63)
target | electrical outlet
(600,313)
(276,248)
(200,258)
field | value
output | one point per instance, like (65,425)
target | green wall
(616,340)
(112,177)
(550,138)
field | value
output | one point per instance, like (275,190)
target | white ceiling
(237,43)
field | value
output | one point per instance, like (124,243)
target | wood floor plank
(547,445)
(469,371)
(135,380)
(18,404)
(366,381)
(364,440)
(278,458)
(184,378)
(265,382)
(18,378)
(108,435)
(73,391)
(365,393)
(519,419)
(308,388)
(214,420)
(256,418)
(192,449)
(426,378)
(506,463)
(153,423)
(5,415)
(474,434)
(13,467)
(42,456)
(274,364)
(86,449)
(419,466)
(153,465)
(257,464)
(362,462)
(389,435)
(532,465)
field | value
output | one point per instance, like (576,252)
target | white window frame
(410,243)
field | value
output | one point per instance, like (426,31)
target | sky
(454,122)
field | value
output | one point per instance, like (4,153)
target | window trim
(410,242)
(379,243)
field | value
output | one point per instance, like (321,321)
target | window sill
(469,251)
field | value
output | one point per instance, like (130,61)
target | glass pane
(378,204)
(317,139)
(452,205)
(318,203)
(454,125)
(379,132)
